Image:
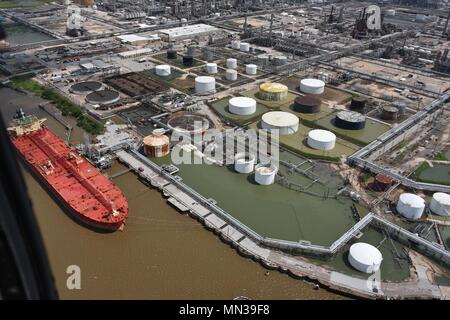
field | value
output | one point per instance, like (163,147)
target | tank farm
(349,192)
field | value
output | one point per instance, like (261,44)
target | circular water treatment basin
(86,87)
(103,97)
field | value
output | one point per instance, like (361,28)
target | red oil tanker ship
(83,189)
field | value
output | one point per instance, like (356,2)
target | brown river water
(161,254)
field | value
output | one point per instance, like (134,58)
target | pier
(266,250)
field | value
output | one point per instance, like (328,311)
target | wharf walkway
(252,245)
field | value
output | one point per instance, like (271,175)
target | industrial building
(356,91)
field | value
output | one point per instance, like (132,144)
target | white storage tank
(440,204)
(321,139)
(285,122)
(242,105)
(251,69)
(312,86)
(236,44)
(410,206)
(162,70)
(231,63)
(211,68)
(205,85)
(365,257)
(265,174)
(244,162)
(231,75)
(244,47)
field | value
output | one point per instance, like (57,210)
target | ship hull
(86,195)
(72,214)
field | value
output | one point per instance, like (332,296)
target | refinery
(351,96)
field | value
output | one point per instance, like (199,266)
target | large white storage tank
(244,46)
(163,70)
(265,174)
(244,162)
(231,63)
(285,122)
(321,139)
(251,69)
(231,75)
(242,105)
(312,86)
(410,206)
(365,257)
(211,68)
(440,204)
(205,85)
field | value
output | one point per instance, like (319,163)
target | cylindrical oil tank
(162,70)
(263,59)
(358,103)
(280,60)
(188,61)
(211,68)
(312,86)
(244,162)
(236,44)
(208,55)
(191,50)
(231,75)
(156,145)
(382,182)
(265,174)
(205,85)
(273,91)
(244,46)
(231,63)
(365,257)
(171,54)
(350,120)
(242,105)
(251,69)
(285,122)
(321,139)
(307,104)
(389,113)
(440,204)
(410,206)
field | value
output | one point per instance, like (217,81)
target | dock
(271,253)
